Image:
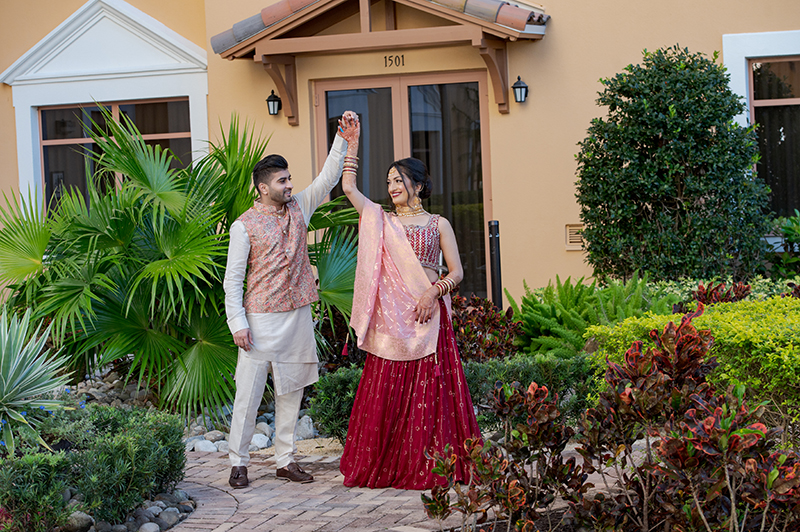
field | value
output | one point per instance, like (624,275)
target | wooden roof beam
(286,85)
(364,16)
(380,40)
(495,55)
(391,15)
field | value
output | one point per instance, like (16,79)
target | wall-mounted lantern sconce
(273,104)
(520,90)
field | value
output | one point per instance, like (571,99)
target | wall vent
(574,240)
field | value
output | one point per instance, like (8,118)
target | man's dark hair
(262,173)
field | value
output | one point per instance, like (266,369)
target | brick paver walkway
(270,504)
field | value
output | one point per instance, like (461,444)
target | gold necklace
(408,212)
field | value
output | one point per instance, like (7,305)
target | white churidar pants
(277,338)
(251,376)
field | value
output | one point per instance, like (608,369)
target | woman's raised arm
(350,129)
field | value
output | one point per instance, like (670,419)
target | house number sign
(394,61)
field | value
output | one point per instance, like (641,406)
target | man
(272,323)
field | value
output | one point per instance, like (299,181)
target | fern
(556,317)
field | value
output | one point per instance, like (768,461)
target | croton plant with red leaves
(676,456)
(518,479)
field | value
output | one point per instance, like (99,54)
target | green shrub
(334,395)
(117,459)
(617,301)
(554,318)
(119,474)
(569,378)
(760,287)
(136,454)
(31,490)
(756,344)
(666,182)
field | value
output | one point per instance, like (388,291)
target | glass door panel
(376,148)
(445,132)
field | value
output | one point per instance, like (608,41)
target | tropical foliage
(29,376)
(555,318)
(134,276)
(755,343)
(673,453)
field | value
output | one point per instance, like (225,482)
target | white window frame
(739,48)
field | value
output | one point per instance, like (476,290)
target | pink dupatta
(389,282)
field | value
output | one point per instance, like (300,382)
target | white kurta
(286,339)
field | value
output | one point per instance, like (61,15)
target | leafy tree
(666,182)
(135,276)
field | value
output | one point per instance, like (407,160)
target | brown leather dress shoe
(238,477)
(294,473)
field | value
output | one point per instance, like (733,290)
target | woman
(413,398)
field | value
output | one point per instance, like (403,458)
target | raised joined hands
(349,127)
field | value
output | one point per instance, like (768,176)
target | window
(775,99)
(67,147)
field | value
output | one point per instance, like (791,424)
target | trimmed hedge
(757,343)
(31,492)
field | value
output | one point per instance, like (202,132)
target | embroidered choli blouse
(424,240)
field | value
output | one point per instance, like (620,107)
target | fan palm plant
(28,375)
(135,276)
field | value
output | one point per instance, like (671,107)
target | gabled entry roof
(288,28)
(494,16)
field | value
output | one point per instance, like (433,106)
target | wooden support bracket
(286,85)
(495,55)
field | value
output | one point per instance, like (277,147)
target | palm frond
(24,238)
(77,283)
(335,259)
(185,253)
(330,214)
(237,155)
(110,223)
(202,378)
(147,167)
(119,331)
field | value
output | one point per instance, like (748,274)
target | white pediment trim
(106,39)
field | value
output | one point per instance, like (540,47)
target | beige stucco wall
(531,149)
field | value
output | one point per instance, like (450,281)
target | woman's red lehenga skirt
(402,410)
